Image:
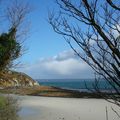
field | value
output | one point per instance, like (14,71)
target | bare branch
(97,22)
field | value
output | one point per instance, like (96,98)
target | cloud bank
(65,65)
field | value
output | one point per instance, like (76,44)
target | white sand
(52,108)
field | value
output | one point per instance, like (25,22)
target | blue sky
(48,55)
(42,40)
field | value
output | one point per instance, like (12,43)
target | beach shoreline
(54,108)
(51,103)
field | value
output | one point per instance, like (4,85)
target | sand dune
(52,108)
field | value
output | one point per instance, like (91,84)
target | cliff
(16,79)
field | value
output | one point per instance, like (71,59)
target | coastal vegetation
(10,49)
(46,91)
(11,43)
(8,108)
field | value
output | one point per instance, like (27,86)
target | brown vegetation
(49,92)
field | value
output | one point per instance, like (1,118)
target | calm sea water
(75,84)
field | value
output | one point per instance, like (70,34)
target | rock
(16,79)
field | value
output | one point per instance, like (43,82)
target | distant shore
(48,91)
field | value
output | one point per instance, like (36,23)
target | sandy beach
(53,108)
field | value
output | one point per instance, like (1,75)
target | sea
(76,84)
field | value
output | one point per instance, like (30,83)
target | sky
(48,56)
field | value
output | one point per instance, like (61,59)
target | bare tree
(11,42)
(112,4)
(16,15)
(92,29)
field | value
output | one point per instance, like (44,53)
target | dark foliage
(9,49)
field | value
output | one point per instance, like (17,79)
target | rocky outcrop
(16,79)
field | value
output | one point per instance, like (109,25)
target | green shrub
(8,108)
(9,49)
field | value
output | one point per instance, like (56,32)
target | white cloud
(63,65)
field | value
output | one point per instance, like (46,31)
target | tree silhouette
(92,29)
